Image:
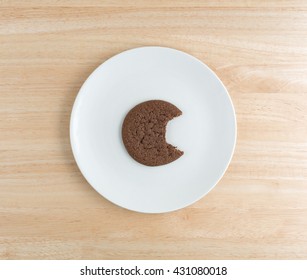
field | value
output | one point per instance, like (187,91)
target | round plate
(206,131)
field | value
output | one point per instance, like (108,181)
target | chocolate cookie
(144,129)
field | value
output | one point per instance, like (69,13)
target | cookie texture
(143,133)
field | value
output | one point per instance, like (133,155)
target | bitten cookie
(143,133)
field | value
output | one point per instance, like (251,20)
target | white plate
(206,131)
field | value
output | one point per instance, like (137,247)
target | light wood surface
(257,211)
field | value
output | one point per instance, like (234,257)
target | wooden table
(257,211)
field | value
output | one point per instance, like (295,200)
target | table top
(259,208)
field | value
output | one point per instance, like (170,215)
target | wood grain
(257,211)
